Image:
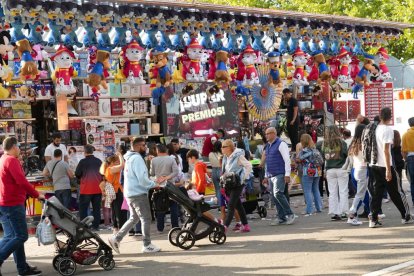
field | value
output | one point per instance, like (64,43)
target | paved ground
(312,246)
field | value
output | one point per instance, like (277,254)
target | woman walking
(311,161)
(360,173)
(215,158)
(111,169)
(235,162)
(335,152)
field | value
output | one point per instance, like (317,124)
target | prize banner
(199,113)
(378,96)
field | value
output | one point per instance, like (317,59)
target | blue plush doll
(258,36)
(89,24)
(35,33)
(357,50)
(105,20)
(17,30)
(217,42)
(361,79)
(206,32)
(177,41)
(150,40)
(123,19)
(164,74)
(54,22)
(69,10)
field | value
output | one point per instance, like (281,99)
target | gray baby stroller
(197,226)
(82,246)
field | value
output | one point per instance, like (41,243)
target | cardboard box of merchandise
(22,113)
(116,107)
(145,90)
(91,126)
(115,90)
(21,105)
(135,90)
(88,108)
(105,107)
(93,139)
(126,90)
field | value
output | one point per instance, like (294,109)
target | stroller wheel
(106,263)
(185,239)
(172,235)
(220,237)
(217,236)
(262,212)
(56,261)
(66,266)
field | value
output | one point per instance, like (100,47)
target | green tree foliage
(400,11)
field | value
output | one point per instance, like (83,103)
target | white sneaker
(151,248)
(382,216)
(354,221)
(290,219)
(114,244)
(407,221)
(374,224)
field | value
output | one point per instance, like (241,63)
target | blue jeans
(311,191)
(366,198)
(64,196)
(13,221)
(282,203)
(84,201)
(216,172)
(410,172)
(174,212)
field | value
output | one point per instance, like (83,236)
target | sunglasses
(223,147)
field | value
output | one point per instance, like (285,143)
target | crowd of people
(124,186)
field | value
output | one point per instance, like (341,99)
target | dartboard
(265,99)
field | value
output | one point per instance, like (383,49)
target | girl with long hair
(360,173)
(335,151)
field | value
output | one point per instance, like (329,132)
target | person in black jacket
(182,152)
(397,157)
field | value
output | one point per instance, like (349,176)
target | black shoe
(363,215)
(336,218)
(131,233)
(32,267)
(31,272)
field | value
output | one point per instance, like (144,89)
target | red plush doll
(132,70)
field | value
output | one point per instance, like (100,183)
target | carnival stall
(102,72)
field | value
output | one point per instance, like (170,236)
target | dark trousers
(235,203)
(84,201)
(13,222)
(410,174)
(293,134)
(174,212)
(119,216)
(64,196)
(377,185)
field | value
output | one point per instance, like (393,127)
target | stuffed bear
(361,79)
(274,75)
(222,75)
(28,68)
(164,74)
(99,72)
(132,70)
(64,71)
(320,62)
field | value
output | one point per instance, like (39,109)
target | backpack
(160,201)
(316,158)
(369,143)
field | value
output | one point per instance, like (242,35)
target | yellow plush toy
(6,75)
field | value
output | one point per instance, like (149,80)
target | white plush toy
(64,71)
(132,69)
(299,61)
(344,79)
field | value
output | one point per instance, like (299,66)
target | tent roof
(277,13)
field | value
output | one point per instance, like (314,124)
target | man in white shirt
(50,149)
(383,174)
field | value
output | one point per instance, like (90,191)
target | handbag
(45,232)
(230,181)
(50,178)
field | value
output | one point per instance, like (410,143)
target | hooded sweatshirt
(136,179)
(199,177)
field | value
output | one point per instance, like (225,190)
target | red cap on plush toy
(298,52)
(61,50)
(194,44)
(383,52)
(249,50)
(134,45)
(342,53)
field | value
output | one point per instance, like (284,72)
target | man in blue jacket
(136,186)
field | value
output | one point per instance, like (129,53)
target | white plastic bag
(45,232)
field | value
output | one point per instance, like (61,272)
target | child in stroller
(82,246)
(197,226)
(205,207)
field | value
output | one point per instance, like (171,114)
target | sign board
(346,111)
(378,96)
(199,114)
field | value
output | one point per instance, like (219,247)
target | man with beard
(56,144)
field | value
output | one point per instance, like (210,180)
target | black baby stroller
(82,246)
(252,194)
(197,226)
